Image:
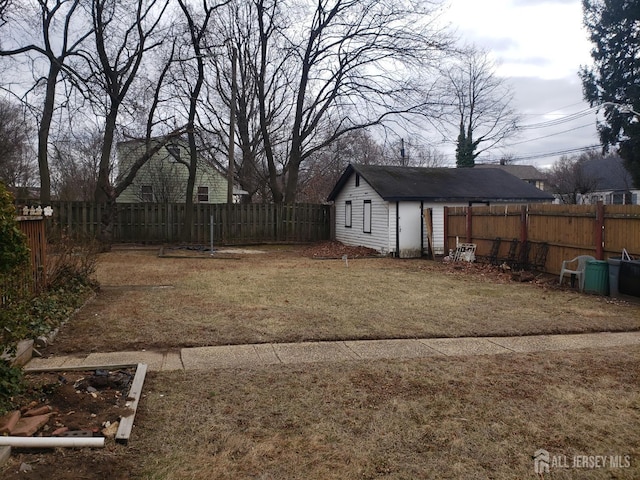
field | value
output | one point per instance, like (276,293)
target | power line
(550,135)
(534,156)
(559,121)
(551,112)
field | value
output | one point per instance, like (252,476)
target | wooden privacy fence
(232,224)
(33,280)
(570,230)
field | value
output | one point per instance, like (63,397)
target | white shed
(383,207)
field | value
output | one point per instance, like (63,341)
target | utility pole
(232,126)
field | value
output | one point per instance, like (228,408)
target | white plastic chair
(581,265)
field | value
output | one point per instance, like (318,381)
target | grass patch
(281,296)
(441,418)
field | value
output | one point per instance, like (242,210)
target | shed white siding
(437,219)
(378,238)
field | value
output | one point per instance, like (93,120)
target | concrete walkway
(257,355)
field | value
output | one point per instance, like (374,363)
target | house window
(203,194)
(357,179)
(347,214)
(147,193)
(366,225)
(621,198)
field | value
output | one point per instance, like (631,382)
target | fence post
(523,224)
(469,224)
(445,228)
(599,231)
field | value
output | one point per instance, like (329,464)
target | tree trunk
(293,174)
(104,192)
(103,185)
(43,133)
(191,181)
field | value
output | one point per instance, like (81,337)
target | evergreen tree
(614,78)
(466,149)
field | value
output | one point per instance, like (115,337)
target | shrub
(70,279)
(14,253)
(72,262)
(14,261)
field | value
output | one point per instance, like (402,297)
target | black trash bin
(629,277)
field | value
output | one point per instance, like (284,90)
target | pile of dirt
(333,249)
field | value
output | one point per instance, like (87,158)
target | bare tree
(123,36)
(342,67)
(482,115)
(62,35)
(197,24)
(323,169)
(412,152)
(235,28)
(15,170)
(568,178)
(75,159)
(5,5)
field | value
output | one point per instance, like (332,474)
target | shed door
(409,229)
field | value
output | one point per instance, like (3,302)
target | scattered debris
(72,404)
(523,276)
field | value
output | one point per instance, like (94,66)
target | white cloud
(522,33)
(539,45)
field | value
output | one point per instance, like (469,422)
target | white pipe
(51,442)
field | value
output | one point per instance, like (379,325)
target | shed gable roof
(523,172)
(442,184)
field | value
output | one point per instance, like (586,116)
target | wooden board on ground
(135,392)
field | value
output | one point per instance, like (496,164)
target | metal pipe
(51,442)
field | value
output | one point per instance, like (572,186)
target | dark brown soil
(331,249)
(84,402)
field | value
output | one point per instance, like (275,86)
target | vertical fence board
(233,224)
(570,230)
(33,228)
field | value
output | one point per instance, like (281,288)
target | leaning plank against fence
(569,230)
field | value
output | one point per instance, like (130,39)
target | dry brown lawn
(282,296)
(460,418)
(439,418)
(479,417)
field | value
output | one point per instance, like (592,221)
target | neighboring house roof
(609,173)
(523,172)
(443,184)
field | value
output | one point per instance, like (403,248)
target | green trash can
(596,277)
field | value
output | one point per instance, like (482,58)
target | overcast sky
(539,46)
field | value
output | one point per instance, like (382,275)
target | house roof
(609,173)
(443,184)
(523,172)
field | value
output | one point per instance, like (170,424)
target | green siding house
(163,179)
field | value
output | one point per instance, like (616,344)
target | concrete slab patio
(259,355)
